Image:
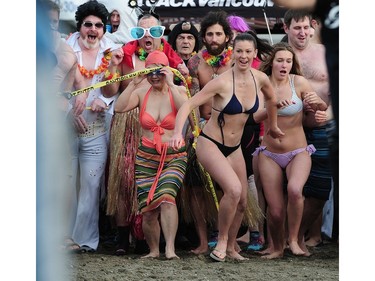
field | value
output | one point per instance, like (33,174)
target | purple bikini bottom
(283,159)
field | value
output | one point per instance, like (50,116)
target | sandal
(220,257)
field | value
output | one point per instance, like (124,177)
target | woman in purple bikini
(288,154)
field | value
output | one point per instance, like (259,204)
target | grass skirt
(124,140)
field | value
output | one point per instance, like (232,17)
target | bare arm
(211,89)
(271,105)
(178,92)
(114,67)
(193,70)
(195,86)
(309,96)
(63,73)
(129,98)
(295,4)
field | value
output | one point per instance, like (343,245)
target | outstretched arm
(271,105)
(295,4)
(209,91)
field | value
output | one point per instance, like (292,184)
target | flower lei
(142,54)
(179,82)
(217,61)
(101,68)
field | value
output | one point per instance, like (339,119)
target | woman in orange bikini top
(159,169)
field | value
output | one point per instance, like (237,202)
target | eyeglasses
(139,32)
(89,24)
(156,72)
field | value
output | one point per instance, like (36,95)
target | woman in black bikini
(234,97)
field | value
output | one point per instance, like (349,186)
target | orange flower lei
(101,68)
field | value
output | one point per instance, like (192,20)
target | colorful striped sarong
(168,184)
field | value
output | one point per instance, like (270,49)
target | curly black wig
(91,8)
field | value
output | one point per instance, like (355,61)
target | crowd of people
(211,126)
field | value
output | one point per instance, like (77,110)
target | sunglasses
(139,32)
(155,72)
(89,24)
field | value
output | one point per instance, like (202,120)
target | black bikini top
(235,107)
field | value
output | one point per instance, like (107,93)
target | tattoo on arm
(193,71)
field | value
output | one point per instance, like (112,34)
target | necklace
(101,68)
(217,61)
(215,74)
(142,54)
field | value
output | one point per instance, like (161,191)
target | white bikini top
(294,108)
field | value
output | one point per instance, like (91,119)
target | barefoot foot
(273,255)
(295,249)
(200,250)
(151,256)
(236,256)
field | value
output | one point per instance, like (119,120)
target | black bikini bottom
(226,150)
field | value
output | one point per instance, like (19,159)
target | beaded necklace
(142,54)
(101,68)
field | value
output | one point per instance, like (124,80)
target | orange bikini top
(148,122)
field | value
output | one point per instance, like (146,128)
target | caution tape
(108,82)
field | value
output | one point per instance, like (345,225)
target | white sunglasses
(139,32)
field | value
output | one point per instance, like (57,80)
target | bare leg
(232,246)
(312,209)
(295,211)
(276,237)
(252,189)
(276,213)
(230,175)
(151,230)
(261,199)
(169,224)
(198,208)
(245,238)
(297,172)
(315,235)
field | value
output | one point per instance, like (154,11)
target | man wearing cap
(159,170)
(125,130)
(184,40)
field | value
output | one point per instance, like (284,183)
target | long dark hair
(266,66)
